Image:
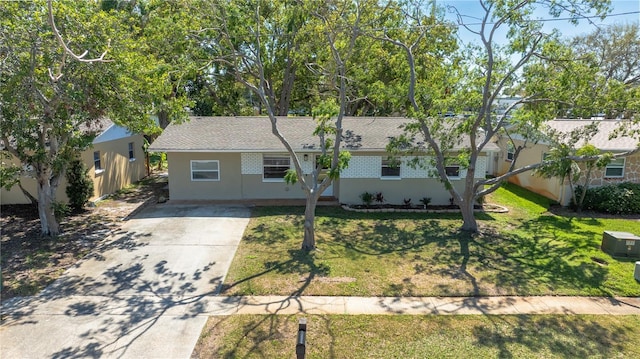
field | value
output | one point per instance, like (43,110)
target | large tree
(489,68)
(47,92)
(249,42)
(65,66)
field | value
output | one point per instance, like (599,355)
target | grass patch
(528,251)
(404,336)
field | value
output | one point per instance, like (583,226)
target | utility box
(621,244)
(636,273)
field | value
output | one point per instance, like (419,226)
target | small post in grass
(302,338)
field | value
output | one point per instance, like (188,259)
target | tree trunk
(467,199)
(469,223)
(163,119)
(585,187)
(48,224)
(309,241)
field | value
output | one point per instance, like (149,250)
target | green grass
(403,336)
(527,251)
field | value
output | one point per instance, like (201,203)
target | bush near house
(80,186)
(621,198)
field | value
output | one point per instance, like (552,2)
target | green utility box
(622,244)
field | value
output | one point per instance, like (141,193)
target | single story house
(116,159)
(626,169)
(238,158)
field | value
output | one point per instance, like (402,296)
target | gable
(114,132)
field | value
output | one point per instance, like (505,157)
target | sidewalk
(422,305)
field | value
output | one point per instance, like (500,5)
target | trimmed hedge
(621,198)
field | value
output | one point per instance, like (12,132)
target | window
(96,162)
(390,168)
(132,154)
(205,170)
(275,167)
(510,151)
(452,170)
(615,168)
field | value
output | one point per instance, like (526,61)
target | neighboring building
(238,158)
(619,170)
(115,160)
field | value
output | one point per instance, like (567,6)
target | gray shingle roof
(253,134)
(601,139)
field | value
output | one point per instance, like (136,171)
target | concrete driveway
(141,295)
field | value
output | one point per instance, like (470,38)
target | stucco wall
(241,178)
(118,171)
(395,191)
(552,187)
(181,186)
(548,187)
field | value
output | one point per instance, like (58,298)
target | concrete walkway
(422,305)
(140,295)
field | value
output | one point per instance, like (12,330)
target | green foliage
(60,210)
(425,200)
(343,162)
(622,198)
(367,198)
(9,172)
(291,177)
(79,186)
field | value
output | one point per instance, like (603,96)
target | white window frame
(511,151)
(97,162)
(387,163)
(191,171)
(275,156)
(615,166)
(132,152)
(452,166)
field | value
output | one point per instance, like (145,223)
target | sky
(472,9)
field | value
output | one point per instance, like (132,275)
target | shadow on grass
(565,337)
(537,263)
(546,254)
(262,336)
(298,262)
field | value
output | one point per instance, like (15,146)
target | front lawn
(404,336)
(528,251)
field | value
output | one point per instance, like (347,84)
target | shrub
(80,186)
(425,200)
(379,197)
(622,198)
(60,210)
(366,198)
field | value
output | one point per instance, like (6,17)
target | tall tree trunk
(469,223)
(584,189)
(49,225)
(309,241)
(467,199)
(163,120)
(287,90)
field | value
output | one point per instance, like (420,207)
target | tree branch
(67,50)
